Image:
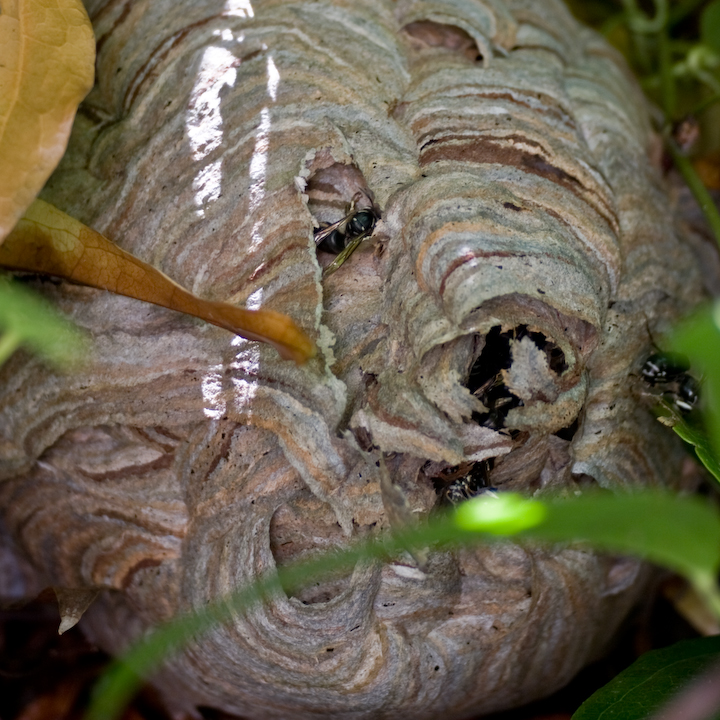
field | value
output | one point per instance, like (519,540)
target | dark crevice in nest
(462,482)
(428,35)
(568,433)
(485,380)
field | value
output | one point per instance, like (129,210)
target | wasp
(343,237)
(464,483)
(669,371)
(499,401)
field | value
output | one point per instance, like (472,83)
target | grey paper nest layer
(497,319)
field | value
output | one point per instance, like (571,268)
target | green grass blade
(699,338)
(676,532)
(682,533)
(697,437)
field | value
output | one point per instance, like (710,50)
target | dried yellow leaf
(47,60)
(48,241)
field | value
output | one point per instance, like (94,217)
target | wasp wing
(345,254)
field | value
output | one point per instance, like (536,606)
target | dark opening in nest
(485,379)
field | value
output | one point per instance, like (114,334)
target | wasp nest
(515,247)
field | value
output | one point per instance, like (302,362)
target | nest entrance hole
(462,482)
(428,35)
(342,205)
(301,529)
(485,379)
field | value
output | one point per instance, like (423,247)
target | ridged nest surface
(489,332)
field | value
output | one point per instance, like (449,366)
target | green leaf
(26,319)
(699,338)
(503,514)
(650,681)
(697,437)
(710,25)
(677,532)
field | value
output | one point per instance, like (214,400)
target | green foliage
(26,319)
(679,533)
(699,338)
(504,514)
(710,26)
(695,435)
(650,681)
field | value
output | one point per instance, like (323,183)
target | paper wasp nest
(491,331)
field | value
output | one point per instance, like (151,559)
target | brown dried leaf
(47,66)
(48,241)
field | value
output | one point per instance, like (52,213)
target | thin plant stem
(667,78)
(708,79)
(704,104)
(699,191)
(641,48)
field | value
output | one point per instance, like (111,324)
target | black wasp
(669,372)
(343,237)
(455,485)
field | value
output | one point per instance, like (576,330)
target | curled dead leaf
(47,60)
(46,240)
